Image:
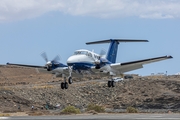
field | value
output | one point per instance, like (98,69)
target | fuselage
(83,59)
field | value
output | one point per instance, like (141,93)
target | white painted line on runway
(4,118)
(157,118)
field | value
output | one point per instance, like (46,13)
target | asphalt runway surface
(103,117)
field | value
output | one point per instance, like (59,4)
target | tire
(109,83)
(70,80)
(112,83)
(62,85)
(66,85)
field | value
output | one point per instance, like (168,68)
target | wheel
(109,83)
(62,85)
(66,85)
(112,83)
(70,80)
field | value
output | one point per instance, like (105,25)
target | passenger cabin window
(97,57)
(89,54)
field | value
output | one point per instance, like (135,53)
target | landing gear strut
(70,72)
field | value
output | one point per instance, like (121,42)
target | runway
(104,117)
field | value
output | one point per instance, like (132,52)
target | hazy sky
(59,27)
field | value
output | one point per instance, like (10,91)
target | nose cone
(75,59)
(70,60)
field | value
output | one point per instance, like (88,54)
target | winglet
(169,56)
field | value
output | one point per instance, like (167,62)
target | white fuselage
(83,59)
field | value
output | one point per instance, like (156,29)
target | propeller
(49,63)
(100,59)
(56,59)
(102,53)
(43,54)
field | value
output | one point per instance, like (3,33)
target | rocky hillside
(39,89)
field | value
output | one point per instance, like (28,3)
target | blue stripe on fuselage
(81,65)
(85,65)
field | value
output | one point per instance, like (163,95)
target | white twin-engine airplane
(85,62)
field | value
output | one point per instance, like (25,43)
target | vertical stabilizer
(112,52)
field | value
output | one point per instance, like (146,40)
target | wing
(43,69)
(23,65)
(133,65)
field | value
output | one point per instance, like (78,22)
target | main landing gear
(64,85)
(111,83)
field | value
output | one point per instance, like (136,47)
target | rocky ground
(24,87)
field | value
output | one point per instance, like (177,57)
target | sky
(59,27)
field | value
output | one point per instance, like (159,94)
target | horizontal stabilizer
(118,40)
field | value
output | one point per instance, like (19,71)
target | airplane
(84,62)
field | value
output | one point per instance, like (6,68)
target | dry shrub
(5,88)
(131,110)
(4,115)
(96,108)
(70,110)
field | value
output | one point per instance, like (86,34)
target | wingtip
(169,56)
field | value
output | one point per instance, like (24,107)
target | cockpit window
(87,54)
(76,53)
(80,53)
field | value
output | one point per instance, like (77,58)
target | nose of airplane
(76,59)
(70,60)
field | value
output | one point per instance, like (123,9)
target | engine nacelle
(97,62)
(98,66)
(49,68)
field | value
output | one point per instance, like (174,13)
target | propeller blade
(44,56)
(57,58)
(102,53)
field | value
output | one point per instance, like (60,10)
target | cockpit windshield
(86,53)
(80,53)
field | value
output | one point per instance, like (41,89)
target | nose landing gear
(70,80)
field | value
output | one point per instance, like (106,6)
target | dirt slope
(25,87)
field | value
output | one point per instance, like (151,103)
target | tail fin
(113,48)
(112,52)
